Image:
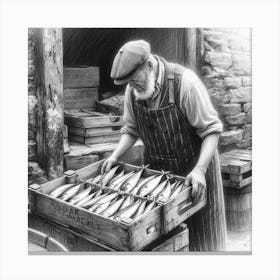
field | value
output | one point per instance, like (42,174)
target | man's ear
(150,65)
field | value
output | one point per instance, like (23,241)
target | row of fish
(100,201)
(161,187)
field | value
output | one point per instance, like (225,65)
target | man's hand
(196,178)
(107,164)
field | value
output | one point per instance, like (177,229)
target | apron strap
(170,77)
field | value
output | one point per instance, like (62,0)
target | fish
(133,180)
(141,209)
(151,185)
(80,195)
(84,200)
(96,179)
(116,177)
(149,207)
(60,190)
(158,189)
(108,197)
(118,182)
(128,211)
(129,200)
(103,200)
(101,207)
(71,192)
(178,189)
(141,183)
(95,199)
(165,194)
(106,177)
(113,208)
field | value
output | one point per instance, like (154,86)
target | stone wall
(226,72)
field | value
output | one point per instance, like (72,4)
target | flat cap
(129,57)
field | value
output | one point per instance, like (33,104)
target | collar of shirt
(160,77)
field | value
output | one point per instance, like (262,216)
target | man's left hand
(196,178)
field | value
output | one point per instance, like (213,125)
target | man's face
(143,83)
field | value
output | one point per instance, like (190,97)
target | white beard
(144,95)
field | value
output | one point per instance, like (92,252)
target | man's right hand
(107,164)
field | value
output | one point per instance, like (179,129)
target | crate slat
(238,185)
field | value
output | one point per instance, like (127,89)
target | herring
(60,190)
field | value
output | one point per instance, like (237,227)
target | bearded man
(168,108)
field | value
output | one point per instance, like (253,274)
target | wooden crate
(74,241)
(236,168)
(80,77)
(128,235)
(174,211)
(80,98)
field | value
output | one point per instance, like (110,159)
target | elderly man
(168,107)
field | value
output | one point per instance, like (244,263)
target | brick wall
(226,72)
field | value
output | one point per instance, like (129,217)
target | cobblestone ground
(239,241)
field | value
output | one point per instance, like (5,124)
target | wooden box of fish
(122,221)
(161,187)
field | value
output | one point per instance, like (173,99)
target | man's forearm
(127,140)
(207,151)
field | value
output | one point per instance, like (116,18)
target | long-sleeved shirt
(195,104)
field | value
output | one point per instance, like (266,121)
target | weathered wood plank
(190,48)
(49,118)
(234,166)
(80,98)
(240,184)
(101,138)
(80,77)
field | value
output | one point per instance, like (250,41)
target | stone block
(249,116)
(232,82)
(233,127)
(210,82)
(246,81)
(246,107)
(237,119)
(230,109)
(220,60)
(230,137)
(244,143)
(219,45)
(36,175)
(247,131)
(241,95)
(219,97)
(241,64)
(239,44)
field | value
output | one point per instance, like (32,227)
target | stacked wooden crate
(85,125)
(80,87)
(90,127)
(236,168)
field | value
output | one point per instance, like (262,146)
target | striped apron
(171,144)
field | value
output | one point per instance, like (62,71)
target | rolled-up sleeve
(196,105)
(128,115)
